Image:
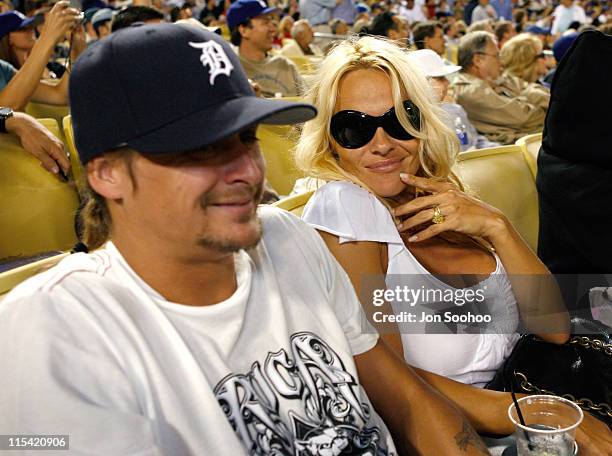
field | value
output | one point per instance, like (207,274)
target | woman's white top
(354,214)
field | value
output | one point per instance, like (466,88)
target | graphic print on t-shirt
(323,411)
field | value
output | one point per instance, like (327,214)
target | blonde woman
(379,141)
(522,56)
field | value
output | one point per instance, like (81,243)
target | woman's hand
(460,212)
(59,21)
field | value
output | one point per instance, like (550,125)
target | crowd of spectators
(506,50)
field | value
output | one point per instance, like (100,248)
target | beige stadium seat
(10,279)
(277,143)
(306,65)
(293,99)
(530,145)
(453,54)
(47,111)
(501,177)
(75,163)
(37,210)
(294,204)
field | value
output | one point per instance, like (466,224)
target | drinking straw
(520,415)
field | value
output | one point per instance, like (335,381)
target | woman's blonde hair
(438,145)
(519,56)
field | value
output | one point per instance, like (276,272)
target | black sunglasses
(354,129)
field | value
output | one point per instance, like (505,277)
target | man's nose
(246,165)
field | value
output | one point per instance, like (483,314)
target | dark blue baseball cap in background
(165,88)
(14,20)
(242,10)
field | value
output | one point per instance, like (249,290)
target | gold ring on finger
(437,216)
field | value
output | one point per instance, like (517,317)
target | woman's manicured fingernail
(404,176)
(55,170)
(413,238)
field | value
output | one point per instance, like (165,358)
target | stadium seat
(277,143)
(294,204)
(47,111)
(306,65)
(37,210)
(453,54)
(10,279)
(501,177)
(75,163)
(530,145)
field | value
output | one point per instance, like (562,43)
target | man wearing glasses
(502,108)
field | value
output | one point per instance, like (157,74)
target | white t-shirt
(563,17)
(415,14)
(353,214)
(90,350)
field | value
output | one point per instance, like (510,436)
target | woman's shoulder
(351,213)
(341,194)
(343,187)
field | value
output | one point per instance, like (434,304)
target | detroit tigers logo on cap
(214,57)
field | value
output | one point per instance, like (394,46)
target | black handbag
(579,370)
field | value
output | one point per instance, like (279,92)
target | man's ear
(477,62)
(243,30)
(108,176)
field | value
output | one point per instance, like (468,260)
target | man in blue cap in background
(253,28)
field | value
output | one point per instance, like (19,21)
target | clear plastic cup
(550,426)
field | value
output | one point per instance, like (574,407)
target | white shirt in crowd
(90,350)
(354,214)
(564,16)
(482,13)
(415,14)
(293,49)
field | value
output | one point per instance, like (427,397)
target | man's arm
(487,411)
(486,106)
(39,142)
(421,420)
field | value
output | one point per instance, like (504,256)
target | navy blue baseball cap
(165,88)
(537,30)
(14,20)
(563,44)
(243,10)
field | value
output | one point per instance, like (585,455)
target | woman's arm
(358,259)
(540,304)
(26,83)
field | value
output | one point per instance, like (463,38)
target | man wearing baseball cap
(201,325)
(253,29)
(101,22)
(437,72)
